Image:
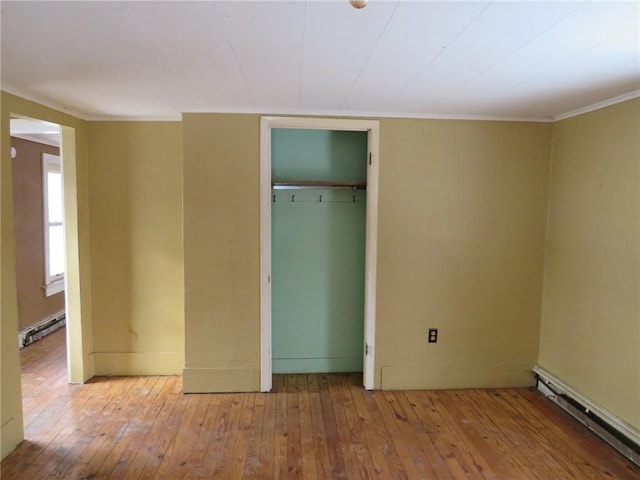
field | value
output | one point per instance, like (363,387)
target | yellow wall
(78,293)
(135,183)
(462,208)
(590,334)
(125,288)
(460,248)
(222,252)
(171,279)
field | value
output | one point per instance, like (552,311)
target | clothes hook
(293,197)
(320,198)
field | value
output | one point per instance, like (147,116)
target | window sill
(54,287)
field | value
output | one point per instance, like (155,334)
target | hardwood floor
(311,426)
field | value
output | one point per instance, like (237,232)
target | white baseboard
(221,380)
(137,363)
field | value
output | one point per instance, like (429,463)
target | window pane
(56,250)
(54,200)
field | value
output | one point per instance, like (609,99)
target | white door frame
(78,371)
(372,127)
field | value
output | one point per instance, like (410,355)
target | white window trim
(54,287)
(52,283)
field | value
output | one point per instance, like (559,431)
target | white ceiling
(512,60)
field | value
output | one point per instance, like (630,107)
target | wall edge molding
(41,100)
(11,435)
(597,106)
(221,380)
(137,363)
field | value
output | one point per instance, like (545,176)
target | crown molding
(597,106)
(320,113)
(41,100)
(371,115)
(121,118)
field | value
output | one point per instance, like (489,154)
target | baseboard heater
(616,432)
(35,332)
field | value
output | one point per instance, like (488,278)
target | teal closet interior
(318,249)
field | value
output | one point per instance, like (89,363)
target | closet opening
(318,246)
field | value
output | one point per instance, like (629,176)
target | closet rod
(298,185)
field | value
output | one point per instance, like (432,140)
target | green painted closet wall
(318,252)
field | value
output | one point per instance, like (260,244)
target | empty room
(320,239)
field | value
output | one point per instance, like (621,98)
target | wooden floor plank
(294,437)
(399,417)
(252,467)
(561,460)
(430,453)
(311,426)
(280,437)
(491,445)
(150,453)
(83,427)
(136,430)
(321,449)
(179,448)
(445,442)
(363,463)
(307,450)
(233,461)
(383,455)
(478,426)
(354,452)
(208,420)
(115,418)
(336,459)
(265,463)
(542,460)
(565,428)
(227,429)
(130,453)
(39,435)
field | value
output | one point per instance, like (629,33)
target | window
(53,214)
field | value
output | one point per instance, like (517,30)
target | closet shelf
(299,184)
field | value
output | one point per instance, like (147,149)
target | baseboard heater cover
(41,329)
(617,433)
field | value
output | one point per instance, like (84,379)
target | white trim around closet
(373,129)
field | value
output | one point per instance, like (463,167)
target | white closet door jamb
(372,127)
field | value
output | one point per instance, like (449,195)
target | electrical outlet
(433,335)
